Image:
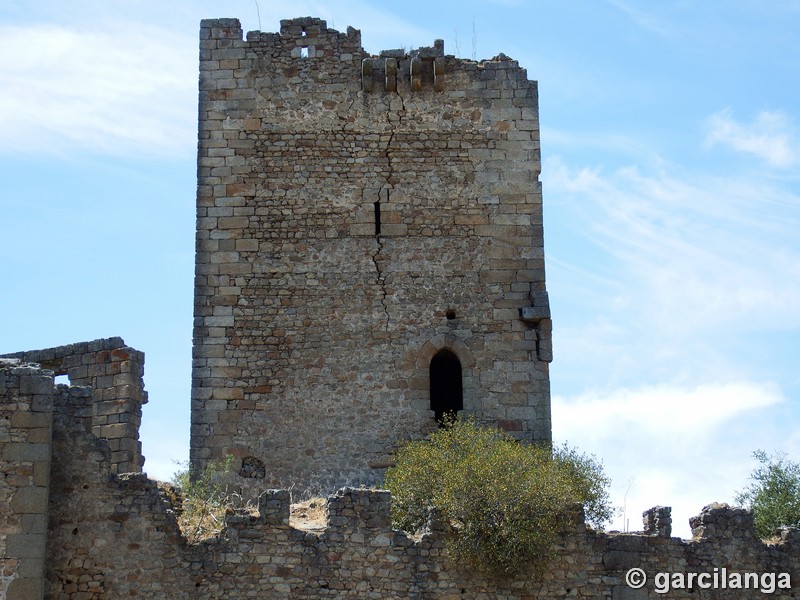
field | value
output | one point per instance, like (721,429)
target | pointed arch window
(447,391)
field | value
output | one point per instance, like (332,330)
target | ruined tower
(369,252)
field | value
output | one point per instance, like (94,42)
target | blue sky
(670,148)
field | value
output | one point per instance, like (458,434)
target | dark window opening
(447,393)
(450,314)
(377,206)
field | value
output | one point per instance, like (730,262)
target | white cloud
(677,445)
(769,137)
(123,89)
(676,410)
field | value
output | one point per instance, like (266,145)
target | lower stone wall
(357,555)
(87,533)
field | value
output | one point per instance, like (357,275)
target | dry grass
(309,514)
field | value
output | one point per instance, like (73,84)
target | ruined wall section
(86,533)
(356,215)
(114,371)
(26,413)
(111,535)
(357,555)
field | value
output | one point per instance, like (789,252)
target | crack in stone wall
(381,277)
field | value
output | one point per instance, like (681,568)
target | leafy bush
(205,500)
(506,501)
(774,494)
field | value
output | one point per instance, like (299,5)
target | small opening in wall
(304,33)
(446,388)
(450,314)
(377,207)
(61,380)
(304,52)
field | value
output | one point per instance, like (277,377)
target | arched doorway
(447,392)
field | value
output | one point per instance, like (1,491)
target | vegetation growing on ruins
(205,500)
(506,501)
(773,494)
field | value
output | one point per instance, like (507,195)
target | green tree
(773,494)
(506,501)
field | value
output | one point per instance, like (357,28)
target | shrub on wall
(773,494)
(205,500)
(506,501)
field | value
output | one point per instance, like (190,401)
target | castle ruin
(369,252)
(369,258)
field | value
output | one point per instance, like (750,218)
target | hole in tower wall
(450,314)
(304,52)
(253,467)
(61,380)
(377,207)
(446,387)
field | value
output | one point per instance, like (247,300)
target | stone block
(29,500)
(22,452)
(26,588)
(34,523)
(30,420)
(624,592)
(232,222)
(36,384)
(26,545)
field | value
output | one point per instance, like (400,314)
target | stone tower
(369,252)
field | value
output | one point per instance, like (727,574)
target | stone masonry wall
(26,414)
(356,215)
(114,372)
(99,535)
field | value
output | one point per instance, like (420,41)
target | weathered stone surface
(115,536)
(315,336)
(113,373)
(351,209)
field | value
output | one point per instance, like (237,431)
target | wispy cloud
(703,251)
(770,136)
(122,90)
(643,18)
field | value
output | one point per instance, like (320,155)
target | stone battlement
(308,38)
